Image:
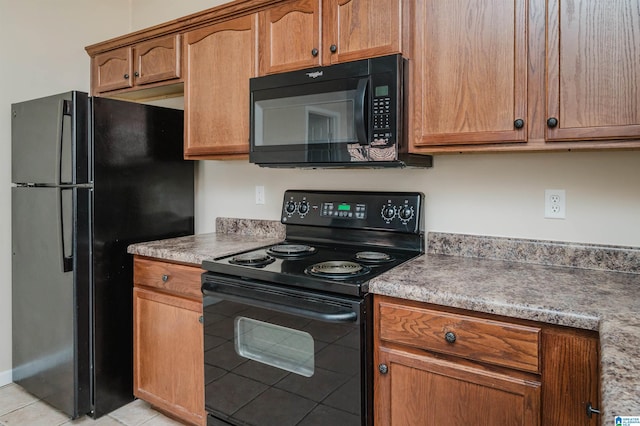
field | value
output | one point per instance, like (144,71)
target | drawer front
(178,279)
(494,342)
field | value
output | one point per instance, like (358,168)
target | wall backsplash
(585,256)
(483,194)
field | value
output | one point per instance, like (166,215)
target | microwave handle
(361,110)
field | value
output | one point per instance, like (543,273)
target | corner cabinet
(168,347)
(137,66)
(219,61)
(435,366)
(306,33)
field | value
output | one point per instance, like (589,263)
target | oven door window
(270,344)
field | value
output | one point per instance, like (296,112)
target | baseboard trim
(5,377)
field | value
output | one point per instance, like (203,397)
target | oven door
(279,356)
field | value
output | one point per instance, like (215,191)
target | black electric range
(336,241)
(288,327)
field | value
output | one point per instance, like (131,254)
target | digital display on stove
(344,210)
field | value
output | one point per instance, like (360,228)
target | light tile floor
(19,408)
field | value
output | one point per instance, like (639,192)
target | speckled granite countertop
(231,236)
(555,287)
(571,285)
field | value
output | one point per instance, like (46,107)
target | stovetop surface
(295,271)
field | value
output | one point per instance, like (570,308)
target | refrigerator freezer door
(50,140)
(50,307)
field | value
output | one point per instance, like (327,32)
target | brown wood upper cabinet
(593,70)
(469,76)
(152,61)
(219,60)
(503,75)
(306,33)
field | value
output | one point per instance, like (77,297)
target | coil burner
(337,269)
(291,250)
(373,257)
(255,259)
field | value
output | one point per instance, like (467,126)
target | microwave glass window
(274,345)
(308,119)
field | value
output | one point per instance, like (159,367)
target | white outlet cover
(555,204)
(259,194)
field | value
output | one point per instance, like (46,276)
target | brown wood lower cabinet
(168,339)
(437,365)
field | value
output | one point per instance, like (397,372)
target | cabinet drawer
(178,279)
(479,339)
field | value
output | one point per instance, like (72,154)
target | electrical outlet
(259,194)
(555,204)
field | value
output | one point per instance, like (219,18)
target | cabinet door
(168,354)
(358,29)
(469,76)
(593,69)
(290,36)
(219,60)
(112,70)
(422,390)
(570,373)
(157,60)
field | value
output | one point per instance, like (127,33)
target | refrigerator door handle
(67,110)
(67,261)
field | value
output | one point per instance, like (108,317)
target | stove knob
(388,212)
(290,207)
(303,208)
(405,213)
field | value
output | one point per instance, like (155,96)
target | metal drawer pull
(383,369)
(165,278)
(450,337)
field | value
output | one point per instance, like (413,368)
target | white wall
(42,44)
(487,194)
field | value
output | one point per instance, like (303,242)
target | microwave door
(311,123)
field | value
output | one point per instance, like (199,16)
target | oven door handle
(280,301)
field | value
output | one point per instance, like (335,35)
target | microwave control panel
(384,110)
(381,111)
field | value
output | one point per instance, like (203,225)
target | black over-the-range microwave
(344,115)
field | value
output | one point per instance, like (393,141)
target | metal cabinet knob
(136,74)
(333,48)
(383,369)
(519,123)
(201,319)
(126,76)
(450,337)
(591,410)
(165,278)
(314,52)
(552,122)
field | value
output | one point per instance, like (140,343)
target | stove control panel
(392,211)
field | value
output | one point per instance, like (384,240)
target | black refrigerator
(90,176)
